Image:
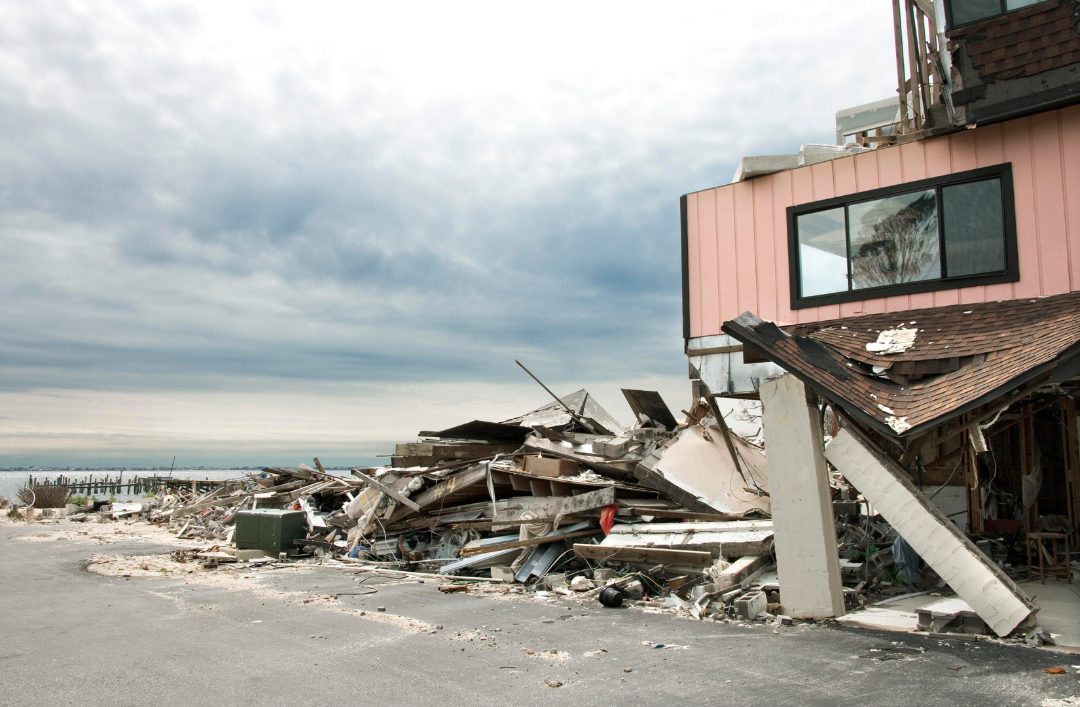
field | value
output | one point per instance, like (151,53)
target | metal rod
(566,407)
(557,399)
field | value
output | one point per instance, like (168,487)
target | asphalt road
(68,636)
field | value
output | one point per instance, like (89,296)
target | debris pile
(562,499)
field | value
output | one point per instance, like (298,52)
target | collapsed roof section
(554,414)
(904,373)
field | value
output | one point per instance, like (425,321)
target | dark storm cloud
(163,228)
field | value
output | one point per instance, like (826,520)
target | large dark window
(963,12)
(934,234)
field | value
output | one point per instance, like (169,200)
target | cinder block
(503,574)
(751,605)
(603,575)
(547,466)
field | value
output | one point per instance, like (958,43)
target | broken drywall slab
(806,557)
(993,596)
(882,619)
(723,539)
(696,469)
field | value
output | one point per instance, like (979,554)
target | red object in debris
(607,518)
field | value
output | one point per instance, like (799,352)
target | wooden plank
(740,570)
(737,526)
(714,350)
(553,449)
(913,66)
(550,468)
(454,451)
(470,551)
(555,506)
(650,404)
(901,78)
(735,544)
(644,555)
(404,500)
(198,507)
(685,515)
(433,495)
(297,473)
(503,525)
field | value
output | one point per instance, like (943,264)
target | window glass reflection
(894,240)
(964,11)
(822,253)
(974,227)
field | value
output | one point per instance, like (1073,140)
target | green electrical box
(271,530)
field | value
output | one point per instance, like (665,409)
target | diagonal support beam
(977,580)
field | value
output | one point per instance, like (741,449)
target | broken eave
(964,358)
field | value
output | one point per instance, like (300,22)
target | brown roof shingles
(985,346)
(1026,42)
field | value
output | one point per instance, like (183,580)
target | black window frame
(1011,273)
(949,14)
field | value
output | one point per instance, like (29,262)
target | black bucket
(612,597)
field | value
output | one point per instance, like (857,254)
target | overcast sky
(250,233)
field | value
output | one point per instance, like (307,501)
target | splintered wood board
(645,555)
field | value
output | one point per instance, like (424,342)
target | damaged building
(919,284)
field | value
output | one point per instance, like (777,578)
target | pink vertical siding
(765,258)
(1049,203)
(745,254)
(1070,175)
(737,234)
(783,193)
(725,252)
(707,270)
(694,287)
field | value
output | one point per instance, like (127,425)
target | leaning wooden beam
(404,500)
(726,434)
(901,79)
(913,65)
